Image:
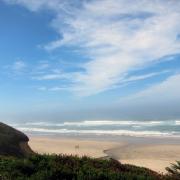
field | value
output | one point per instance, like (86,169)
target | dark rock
(13,142)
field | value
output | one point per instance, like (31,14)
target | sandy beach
(154,156)
(71,146)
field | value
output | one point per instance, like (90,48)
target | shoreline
(112,138)
(155,154)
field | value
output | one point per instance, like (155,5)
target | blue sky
(90,59)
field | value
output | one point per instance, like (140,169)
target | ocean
(168,128)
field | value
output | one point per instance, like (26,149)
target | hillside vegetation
(61,167)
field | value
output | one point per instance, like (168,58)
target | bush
(174,171)
(61,167)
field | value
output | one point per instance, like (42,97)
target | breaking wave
(103,132)
(102,123)
(105,127)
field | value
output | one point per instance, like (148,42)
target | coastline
(153,153)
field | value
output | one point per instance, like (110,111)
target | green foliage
(174,171)
(61,167)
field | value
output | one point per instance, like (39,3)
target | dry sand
(155,157)
(70,146)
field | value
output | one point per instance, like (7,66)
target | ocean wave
(177,122)
(40,124)
(98,123)
(103,132)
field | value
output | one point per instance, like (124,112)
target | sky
(89,60)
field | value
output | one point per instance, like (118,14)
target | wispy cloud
(52,76)
(54,89)
(166,91)
(157,101)
(144,76)
(19,66)
(115,37)
(16,68)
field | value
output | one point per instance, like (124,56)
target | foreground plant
(174,170)
(57,167)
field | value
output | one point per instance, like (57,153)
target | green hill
(13,142)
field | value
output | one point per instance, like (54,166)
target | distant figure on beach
(77,146)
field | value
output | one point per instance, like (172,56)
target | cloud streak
(167,91)
(160,101)
(115,37)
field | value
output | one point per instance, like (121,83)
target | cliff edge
(13,142)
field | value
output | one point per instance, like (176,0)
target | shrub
(61,167)
(174,171)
